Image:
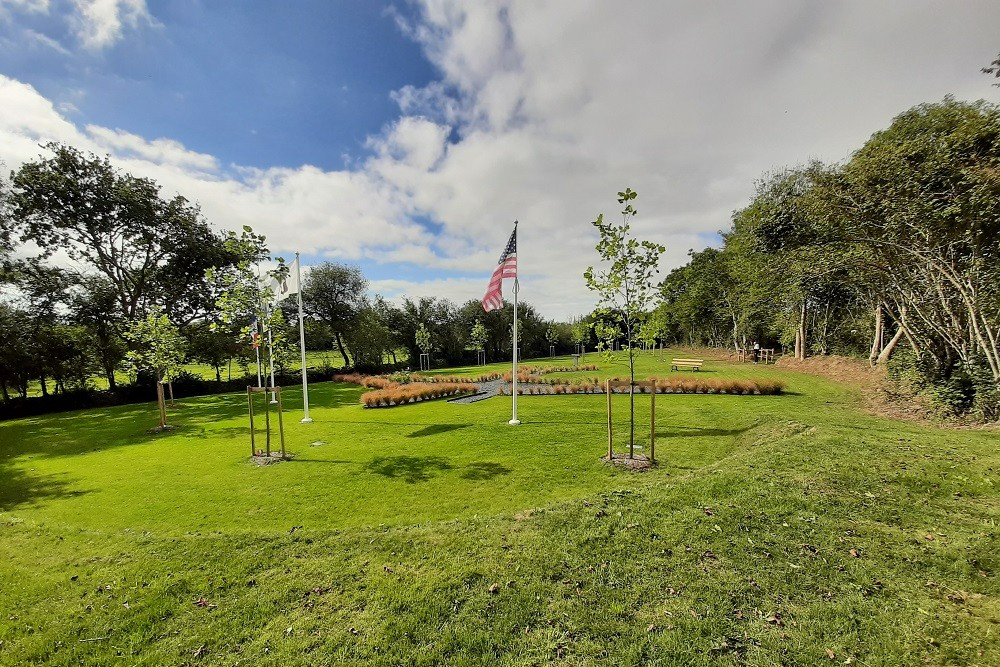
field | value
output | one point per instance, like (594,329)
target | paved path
(486,390)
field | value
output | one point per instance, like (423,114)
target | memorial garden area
(782,452)
(798,527)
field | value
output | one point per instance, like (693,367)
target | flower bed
(389,392)
(668,386)
(414,392)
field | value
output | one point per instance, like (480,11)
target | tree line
(87,251)
(893,255)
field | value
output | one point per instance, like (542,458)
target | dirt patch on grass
(638,463)
(880,397)
(265,460)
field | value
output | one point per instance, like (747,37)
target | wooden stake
(267,424)
(281,425)
(652,422)
(253,451)
(611,453)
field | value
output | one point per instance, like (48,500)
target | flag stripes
(506,268)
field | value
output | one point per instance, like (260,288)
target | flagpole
(302,343)
(256,348)
(270,356)
(513,393)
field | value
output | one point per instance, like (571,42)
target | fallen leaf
(929,537)
(353,631)
(709,511)
(651,628)
(854,553)
(202,650)
(831,655)
(494,589)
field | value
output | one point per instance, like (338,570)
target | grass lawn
(776,530)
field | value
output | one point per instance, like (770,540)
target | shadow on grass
(411,469)
(19,487)
(698,432)
(484,470)
(435,429)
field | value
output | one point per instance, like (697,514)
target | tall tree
(625,289)
(151,250)
(335,294)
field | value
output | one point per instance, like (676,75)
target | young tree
(625,289)
(478,336)
(580,333)
(158,347)
(423,340)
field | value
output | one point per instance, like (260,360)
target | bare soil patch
(264,459)
(638,463)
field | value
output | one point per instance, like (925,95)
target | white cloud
(99,23)
(544,110)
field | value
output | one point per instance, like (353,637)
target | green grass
(381,541)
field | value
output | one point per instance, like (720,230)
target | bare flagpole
(270,356)
(302,343)
(513,393)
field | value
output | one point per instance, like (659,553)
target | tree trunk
(343,352)
(800,334)
(877,338)
(162,404)
(3,390)
(887,351)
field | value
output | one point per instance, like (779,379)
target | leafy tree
(624,289)
(423,339)
(213,347)
(242,294)
(92,304)
(580,332)
(157,347)
(479,335)
(150,250)
(370,338)
(335,294)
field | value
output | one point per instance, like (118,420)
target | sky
(406,137)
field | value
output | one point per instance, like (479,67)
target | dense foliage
(897,246)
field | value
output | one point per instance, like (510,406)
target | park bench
(693,364)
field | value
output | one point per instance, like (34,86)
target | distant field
(775,530)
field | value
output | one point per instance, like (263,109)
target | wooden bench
(693,364)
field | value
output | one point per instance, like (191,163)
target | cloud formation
(543,111)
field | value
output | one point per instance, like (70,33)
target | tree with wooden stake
(423,339)
(478,337)
(625,289)
(157,346)
(609,387)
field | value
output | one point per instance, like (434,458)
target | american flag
(506,268)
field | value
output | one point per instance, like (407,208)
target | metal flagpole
(270,356)
(513,393)
(302,343)
(256,340)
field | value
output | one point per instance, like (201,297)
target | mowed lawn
(791,529)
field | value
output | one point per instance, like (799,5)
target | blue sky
(406,136)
